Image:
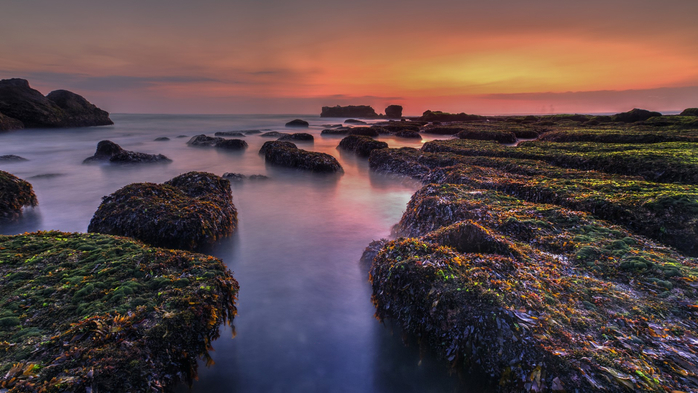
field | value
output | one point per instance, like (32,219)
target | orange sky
(501,56)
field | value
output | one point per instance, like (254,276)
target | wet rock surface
(106,313)
(361,145)
(286,154)
(298,123)
(185,212)
(110,151)
(297,137)
(15,194)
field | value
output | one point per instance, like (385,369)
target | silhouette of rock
(299,136)
(110,151)
(393,112)
(361,145)
(348,111)
(297,123)
(634,115)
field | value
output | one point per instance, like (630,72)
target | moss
(185,212)
(519,289)
(15,193)
(124,331)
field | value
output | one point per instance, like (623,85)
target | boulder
(348,111)
(162,139)
(229,133)
(8,123)
(203,140)
(15,193)
(79,112)
(299,136)
(234,177)
(258,177)
(110,151)
(297,123)
(367,131)
(271,144)
(354,121)
(12,158)
(186,212)
(689,112)
(336,131)
(431,116)
(393,112)
(60,108)
(361,145)
(232,144)
(288,155)
(634,115)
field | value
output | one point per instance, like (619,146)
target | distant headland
(23,107)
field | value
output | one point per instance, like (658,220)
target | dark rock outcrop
(393,112)
(354,121)
(348,111)
(408,134)
(234,177)
(15,193)
(634,115)
(162,139)
(60,108)
(287,154)
(232,144)
(336,131)
(110,151)
(229,133)
(367,131)
(444,116)
(8,123)
(12,158)
(488,135)
(297,123)
(689,112)
(79,112)
(299,137)
(203,140)
(185,212)
(361,145)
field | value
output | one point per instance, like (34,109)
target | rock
(182,136)
(8,123)
(408,134)
(689,112)
(354,121)
(12,158)
(186,212)
(297,123)
(258,177)
(395,126)
(634,115)
(367,131)
(162,139)
(250,132)
(229,133)
(443,130)
(432,116)
(79,112)
(338,131)
(331,125)
(361,145)
(110,151)
(15,193)
(271,144)
(60,108)
(203,140)
(273,134)
(300,136)
(393,112)
(232,144)
(286,154)
(488,135)
(348,111)
(125,294)
(234,177)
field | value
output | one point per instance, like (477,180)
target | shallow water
(305,319)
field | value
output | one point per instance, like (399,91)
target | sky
(295,56)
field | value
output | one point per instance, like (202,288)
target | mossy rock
(286,154)
(123,316)
(361,145)
(15,193)
(186,212)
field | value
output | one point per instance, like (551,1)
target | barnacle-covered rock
(92,312)
(361,145)
(287,154)
(110,151)
(188,211)
(15,193)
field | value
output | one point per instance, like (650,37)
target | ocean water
(305,319)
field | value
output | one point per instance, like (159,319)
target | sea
(305,319)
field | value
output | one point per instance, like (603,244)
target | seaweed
(15,193)
(185,212)
(539,296)
(93,312)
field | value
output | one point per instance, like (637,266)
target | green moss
(99,292)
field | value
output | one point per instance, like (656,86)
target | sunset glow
(245,57)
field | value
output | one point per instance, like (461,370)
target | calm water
(305,319)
